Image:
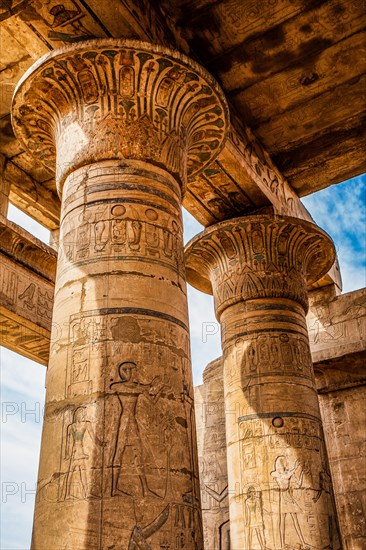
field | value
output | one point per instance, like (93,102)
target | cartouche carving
(257,267)
(125,122)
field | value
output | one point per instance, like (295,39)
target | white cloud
(340,210)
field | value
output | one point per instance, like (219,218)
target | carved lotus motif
(120,99)
(258,257)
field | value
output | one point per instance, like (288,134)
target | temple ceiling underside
(293,72)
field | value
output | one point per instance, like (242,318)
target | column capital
(120,99)
(259,256)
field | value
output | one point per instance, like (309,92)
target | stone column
(258,267)
(211,443)
(128,123)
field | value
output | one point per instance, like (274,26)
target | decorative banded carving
(122,230)
(280,493)
(129,121)
(258,257)
(148,103)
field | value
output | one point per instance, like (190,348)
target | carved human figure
(325,491)
(128,433)
(93,107)
(254,518)
(322,329)
(76,454)
(287,479)
(264,315)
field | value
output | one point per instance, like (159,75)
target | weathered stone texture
(293,71)
(339,361)
(257,267)
(27,278)
(131,130)
(211,441)
(126,123)
(337,328)
(336,324)
(344,420)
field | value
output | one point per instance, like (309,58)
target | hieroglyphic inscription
(170,115)
(123,229)
(134,445)
(273,354)
(258,267)
(269,179)
(129,122)
(25,293)
(26,303)
(292,503)
(210,418)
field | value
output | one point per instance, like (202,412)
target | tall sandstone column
(126,123)
(257,267)
(211,443)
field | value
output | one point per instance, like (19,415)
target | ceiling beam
(30,196)
(27,278)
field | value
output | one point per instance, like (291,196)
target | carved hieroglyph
(280,493)
(126,122)
(211,443)
(26,301)
(27,277)
(337,329)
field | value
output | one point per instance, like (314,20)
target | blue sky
(340,210)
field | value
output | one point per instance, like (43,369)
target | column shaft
(279,475)
(119,416)
(280,492)
(128,122)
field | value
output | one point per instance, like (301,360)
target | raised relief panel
(336,325)
(149,431)
(211,437)
(280,512)
(26,303)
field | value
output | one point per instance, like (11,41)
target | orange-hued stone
(280,491)
(125,122)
